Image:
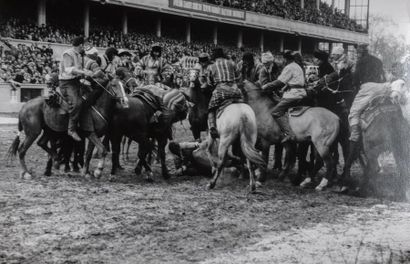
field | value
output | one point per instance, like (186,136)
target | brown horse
(316,124)
(36,117)
(135,124)
(198,112)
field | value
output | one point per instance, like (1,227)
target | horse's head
(399,91)
(117,91)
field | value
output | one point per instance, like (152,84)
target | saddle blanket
(371,112)
(220,95)
(148,97)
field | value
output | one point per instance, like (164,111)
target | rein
(105,89)
(326,86)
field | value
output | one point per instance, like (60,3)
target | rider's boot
(212,125)
(283,122)
(72,124)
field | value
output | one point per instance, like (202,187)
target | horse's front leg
(101,149)
(162,142)
(88,155)
(289,160)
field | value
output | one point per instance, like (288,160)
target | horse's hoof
(258,184)
(138,171)
(97,173)
(88,176)
(76,169)
(25,175)
(47,173)
(121,168)
(111,178)
(282,176)
(67,170)
(166,176)
(149,177)
(306,182)
(56,165)
(252,188)
(343,190)
(210,186)
(323,184)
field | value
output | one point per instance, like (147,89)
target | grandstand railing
(254,20)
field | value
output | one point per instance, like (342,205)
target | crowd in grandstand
(291,9)
(32,64)
(27,64)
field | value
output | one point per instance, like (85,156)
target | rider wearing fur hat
(151,66)
(202,69)
(270,70)
(108,62)
(222,76)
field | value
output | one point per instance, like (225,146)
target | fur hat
(267,57)
(77,41)
(288,55)
(218,53)
(321,55)
(339,50)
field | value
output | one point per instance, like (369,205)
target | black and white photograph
(204,131)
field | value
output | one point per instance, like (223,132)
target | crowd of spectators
(291,9)
(26,64)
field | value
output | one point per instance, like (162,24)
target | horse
(198,112)
(315,124)
(236,122)
(135,124)
(36,116)
(388,131)
(330,93)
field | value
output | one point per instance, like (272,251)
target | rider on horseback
(108,63)
(202,70)
(71,70)
(152,65)
(292,82)
(222,76)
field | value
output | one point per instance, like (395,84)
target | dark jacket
(324,69)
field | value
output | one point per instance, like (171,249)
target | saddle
(378,105)
(297,111)
(148,97)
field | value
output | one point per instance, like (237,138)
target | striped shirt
(222,71)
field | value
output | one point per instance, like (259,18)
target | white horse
(401,95)
(236,122)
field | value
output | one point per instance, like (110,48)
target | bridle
(337,90)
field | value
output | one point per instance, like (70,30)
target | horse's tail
(12,152)
(247,131)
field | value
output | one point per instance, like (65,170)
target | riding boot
(283,122)
(212,125)
(354,151)
(72,124)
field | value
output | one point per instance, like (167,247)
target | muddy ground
(67,219)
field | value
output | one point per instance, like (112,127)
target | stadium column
(302,4)
(158,27)
(86,19)
(282,43)
(262,41)
(215,34)
(318,4)
(41,12)
(333,6)
(300,45)
(188,32)
(347,7)
(240,38)
(124,21)
(330,47)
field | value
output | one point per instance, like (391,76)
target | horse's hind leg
(326,155)
(252,185)
(101,149)
(222,151)
(28,141)
(162,142)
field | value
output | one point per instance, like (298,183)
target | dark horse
(135,123)
(36,117)
(198,112)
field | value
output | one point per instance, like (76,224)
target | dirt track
(66,219)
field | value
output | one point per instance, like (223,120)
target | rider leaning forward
(222,75)
(292,82)
(71,70)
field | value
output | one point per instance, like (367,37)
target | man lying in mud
(190,158)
